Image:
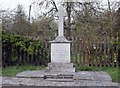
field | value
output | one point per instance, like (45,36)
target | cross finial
(60,15)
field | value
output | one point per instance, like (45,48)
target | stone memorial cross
(60,15)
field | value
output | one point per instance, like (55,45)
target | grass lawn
(13,70)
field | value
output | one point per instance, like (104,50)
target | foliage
(117,27)
(24,43)
(17,22)
(44,26)
(19,50)
(19,41)
(89,21)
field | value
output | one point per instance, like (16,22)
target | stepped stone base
(54,71)
(61,70)
(82,78)
(81,75)
(65,72)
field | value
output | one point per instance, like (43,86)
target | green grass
(13,70)
(112,71)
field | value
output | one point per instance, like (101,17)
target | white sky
(11,4)
(5,4)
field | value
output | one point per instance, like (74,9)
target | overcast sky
(11,4)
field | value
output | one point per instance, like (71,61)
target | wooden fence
(18,56)
(94,54)
(103,54)
(82,53)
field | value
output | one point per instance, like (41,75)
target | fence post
(112,55)
(30,58)
(119,57)
(3,59)
(108,53)
(7,55)
(34,56)
(79,52)
(26,57)
(49,57)
(76,51)
(38,57)
(18,55)
(22,57)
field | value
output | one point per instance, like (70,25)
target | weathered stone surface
(82,75)
(60,52)
(60,39)
(43,82)
(65,68)
(93,76)
(53,69)
(31,74)
(82,78)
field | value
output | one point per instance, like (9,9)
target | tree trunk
(69,19)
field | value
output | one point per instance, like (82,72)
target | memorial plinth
(60,50)
(60,57)
(60,70)
(60,67)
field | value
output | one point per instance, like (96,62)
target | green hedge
(11,43)
(25,43)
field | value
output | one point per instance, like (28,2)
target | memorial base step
(60,67)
